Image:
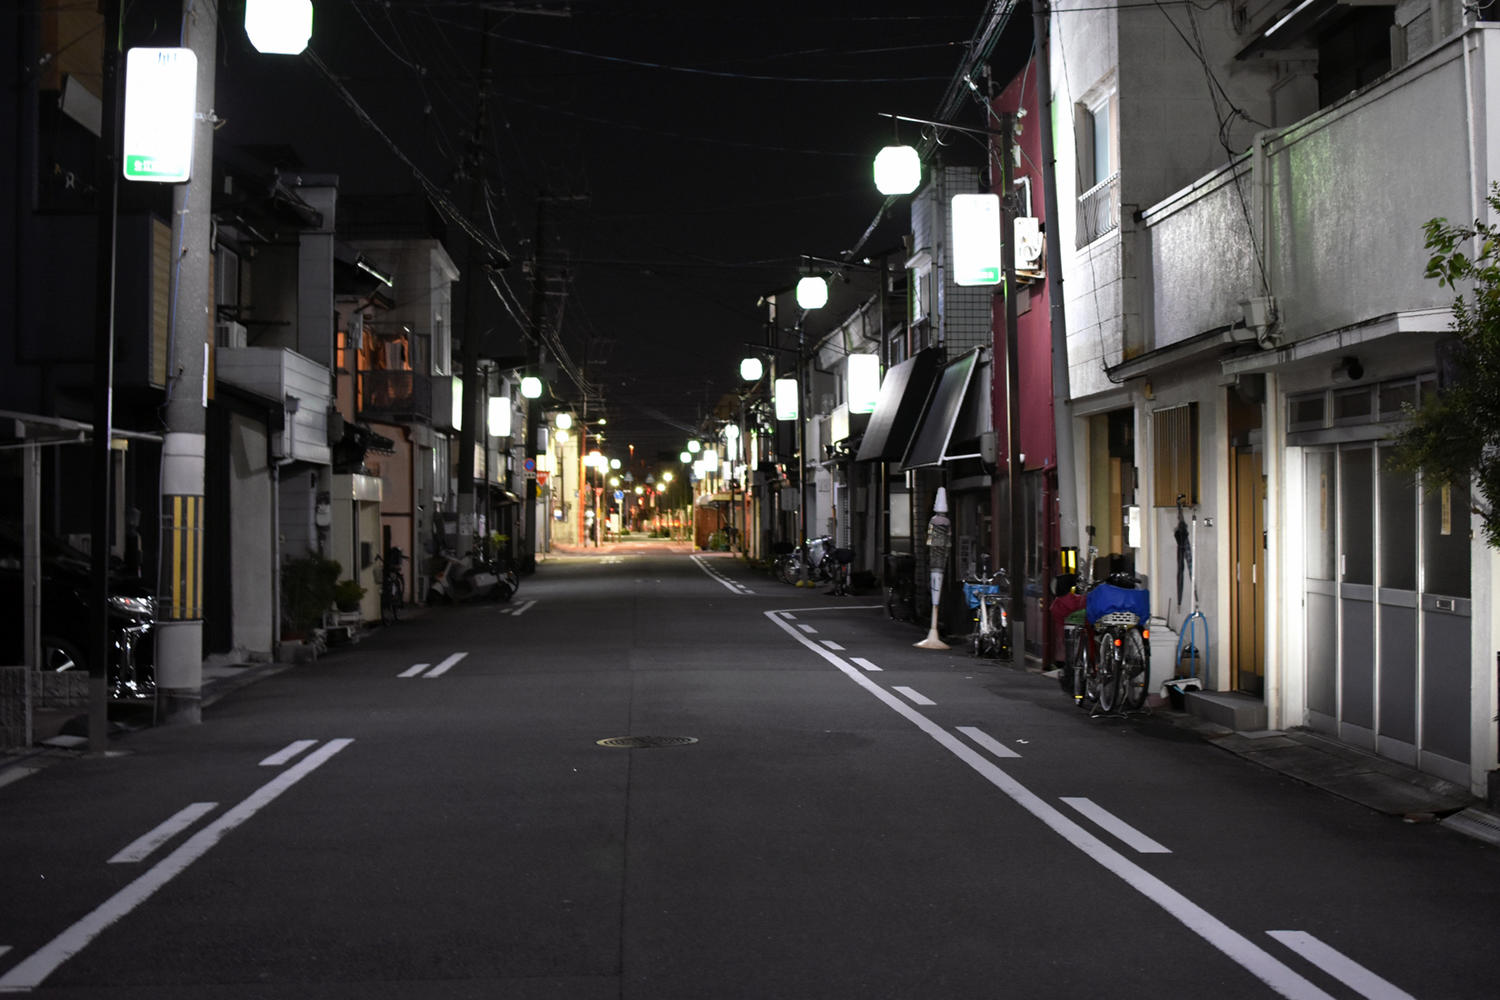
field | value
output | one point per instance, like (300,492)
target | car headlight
(140,607)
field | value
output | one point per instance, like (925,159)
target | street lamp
(898,170)
(751,369)
(278,27)
(531,387)
(812,291)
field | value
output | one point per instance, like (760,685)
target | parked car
(66,619)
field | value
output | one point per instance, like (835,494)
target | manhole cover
(646,742)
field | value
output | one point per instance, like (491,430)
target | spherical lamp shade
(278,27)
(531,387)
(685,457)
(751,369)
(695,446)
(812,292)
(564,421)
(898,170)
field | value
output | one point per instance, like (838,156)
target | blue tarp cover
(1106,597)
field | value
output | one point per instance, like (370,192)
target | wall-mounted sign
(976,239)
(161,97)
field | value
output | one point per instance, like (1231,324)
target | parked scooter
(465,579)
(507,581)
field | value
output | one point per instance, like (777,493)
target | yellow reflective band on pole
(184,528)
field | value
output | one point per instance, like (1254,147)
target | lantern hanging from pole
(279,27)
(898,170)
(812,292)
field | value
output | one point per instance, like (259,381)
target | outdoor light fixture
(812,292)
(863,378)
(685,457)
(363,263)
(614,463)
(564,421)
(786,398)
(561,436)
(731,433)
(695,446)
(531,387)
(595,460)
(499,420)
(898,170)
(711,459)
(279,27)
(751,369)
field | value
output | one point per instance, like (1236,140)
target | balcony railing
(396,395)
(1099,210)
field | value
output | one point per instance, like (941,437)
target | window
(1305,412)
(1095,148)
(1174,442)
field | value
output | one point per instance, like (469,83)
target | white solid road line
(1254,959)
(141,848)
(1111,823)
(987,741)
(286,753)
(726,582)
(865,664)
(916,699)
(31,971)
(444,667)
(1340,966)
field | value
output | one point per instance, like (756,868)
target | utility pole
(1062,417)
(104,361)
(538,320)
(1012,388)
(474,267)
(179,629)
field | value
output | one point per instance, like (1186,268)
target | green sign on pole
(161,95)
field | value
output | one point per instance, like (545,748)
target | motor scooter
(463,579)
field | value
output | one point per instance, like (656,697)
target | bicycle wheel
(1135,679)
(1109,674)
(1078,668)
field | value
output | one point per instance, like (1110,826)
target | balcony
(395,396)
(1099,210)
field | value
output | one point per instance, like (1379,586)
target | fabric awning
(929,446)
(903,394)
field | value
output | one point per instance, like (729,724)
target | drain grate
(646,742)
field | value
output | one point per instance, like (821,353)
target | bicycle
(986,594)
(843,560)
(392,587)
(900,587)
(1109,659)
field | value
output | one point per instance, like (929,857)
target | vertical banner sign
(976,239)
(161,95)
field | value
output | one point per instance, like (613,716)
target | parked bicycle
(843,571)
(900,587)
(392,587)
(1109,656)
(987,594)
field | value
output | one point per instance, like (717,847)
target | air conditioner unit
(230,334)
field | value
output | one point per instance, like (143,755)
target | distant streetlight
(898,170)
(751,369)
(564,421)
(614,463)
(685,457)
(731,433)
(279,27)
(531,387)
(812,292)
(695,446)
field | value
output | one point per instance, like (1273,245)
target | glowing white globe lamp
(279,27)
(898,170)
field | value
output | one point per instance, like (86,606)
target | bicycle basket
(1106,598)
(1117,619)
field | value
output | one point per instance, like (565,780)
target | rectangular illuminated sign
(161,95)
(976,239)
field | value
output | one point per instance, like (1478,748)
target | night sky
(686,156)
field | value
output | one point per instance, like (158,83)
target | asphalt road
(428,813)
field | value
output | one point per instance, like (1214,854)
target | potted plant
(308,585)
(347,594)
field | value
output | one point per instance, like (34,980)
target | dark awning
(930,444)
(903,394)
